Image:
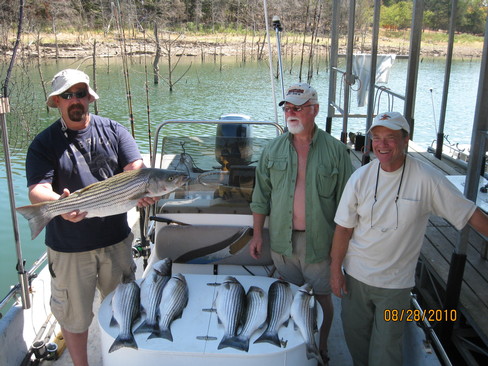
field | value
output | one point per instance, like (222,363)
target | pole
(4,109)
(372,81)
(334,47)
(478,143)
(349,77)
(447,74)
(413,63)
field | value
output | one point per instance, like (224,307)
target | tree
(397,16)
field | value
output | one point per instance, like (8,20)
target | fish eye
(170,178)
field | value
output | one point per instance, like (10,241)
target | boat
(204,228)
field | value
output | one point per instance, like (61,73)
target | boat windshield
(222,171)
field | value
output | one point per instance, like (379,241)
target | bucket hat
(64,80)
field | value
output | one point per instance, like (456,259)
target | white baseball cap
(64,80)
(392,120)
(299,94)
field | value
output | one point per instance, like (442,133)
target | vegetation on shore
(201,44)
(69,28)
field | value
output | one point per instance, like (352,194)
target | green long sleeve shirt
(328,169)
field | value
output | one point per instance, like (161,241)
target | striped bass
(230,306)
(112,196)
(126,309)
(151,291)
(255,317)
(304,314)
(173,301)
(280,298)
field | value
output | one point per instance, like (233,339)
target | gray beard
(296,129)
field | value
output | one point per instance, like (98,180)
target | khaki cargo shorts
(295,270)
(76,276)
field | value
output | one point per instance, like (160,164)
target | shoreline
(71,46)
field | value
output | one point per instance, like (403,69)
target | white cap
(299,94)
(391,120)
(64,80)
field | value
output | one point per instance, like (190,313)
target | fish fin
(113,322)
(313,352)
(120,342)
(164,333)
(269,337)
(36,216)
(235,342)
(285,324)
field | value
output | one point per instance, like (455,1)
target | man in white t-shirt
(381,222)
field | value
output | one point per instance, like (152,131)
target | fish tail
(146,327)
(36,216)
(236,342)
(126,341)
(164,333)
(269,337)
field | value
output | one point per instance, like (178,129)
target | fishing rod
(265,5)
(279,28)
(125,67)
(4,109)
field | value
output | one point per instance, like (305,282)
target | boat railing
(425,324)
(279,128)
(380,89)
(16,289)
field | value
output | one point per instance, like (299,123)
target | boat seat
(209,244)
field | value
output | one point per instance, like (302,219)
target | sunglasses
(288,109)
(79,95)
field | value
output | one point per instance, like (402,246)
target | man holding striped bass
(83,150)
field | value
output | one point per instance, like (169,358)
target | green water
(207,91)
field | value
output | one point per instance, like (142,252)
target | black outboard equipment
(233,145)
(233,151)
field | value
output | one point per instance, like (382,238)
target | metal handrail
(428,328)
(31,274)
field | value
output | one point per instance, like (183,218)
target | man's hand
(338,282)
(147,201)
(73,216)
(255,246)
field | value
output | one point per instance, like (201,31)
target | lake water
(207,91)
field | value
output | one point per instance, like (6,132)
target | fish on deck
(126,310)
(255,317)
(280,297)
(304,314)
(230,305)
(151,291)
(173,301)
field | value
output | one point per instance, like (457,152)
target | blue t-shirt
(106,146)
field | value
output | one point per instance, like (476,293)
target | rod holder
(51,351)
(39,349)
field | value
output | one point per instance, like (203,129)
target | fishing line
(433,110)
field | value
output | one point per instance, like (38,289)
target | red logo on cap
(385,116)
(296,91)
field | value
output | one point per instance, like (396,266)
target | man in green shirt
(299,182)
